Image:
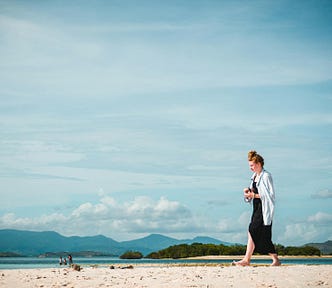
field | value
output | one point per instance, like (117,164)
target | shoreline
(171,276)
(254,257)
(212,260)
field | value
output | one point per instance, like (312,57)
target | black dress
(260,233)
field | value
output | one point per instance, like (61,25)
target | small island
(131,255)
(10,254)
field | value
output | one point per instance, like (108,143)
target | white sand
(172,276)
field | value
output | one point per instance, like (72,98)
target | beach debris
(128,267)
(112,267)
(76,267)
(320,282)
(41,277)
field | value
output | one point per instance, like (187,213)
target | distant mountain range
(31,243)
(325,248)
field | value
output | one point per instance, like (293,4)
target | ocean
(35,262)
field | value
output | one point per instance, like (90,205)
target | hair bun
(252,153)
(254,156)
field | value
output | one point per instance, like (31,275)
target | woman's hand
(247,193)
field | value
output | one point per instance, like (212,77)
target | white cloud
(235,224)
(317,228)
(321,218)
(230,229)
(44,222)
(299,233)
(142,215)
(129,219)
(326,193)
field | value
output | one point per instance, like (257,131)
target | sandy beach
(171,276)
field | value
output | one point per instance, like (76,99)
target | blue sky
(126,118)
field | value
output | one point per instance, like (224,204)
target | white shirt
(264,184)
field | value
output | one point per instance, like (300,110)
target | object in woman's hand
(248,199)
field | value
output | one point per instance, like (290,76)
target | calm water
(34,262)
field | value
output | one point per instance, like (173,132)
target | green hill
(45,243)
(325,248)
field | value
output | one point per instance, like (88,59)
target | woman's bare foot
(241,263)
(276,263)
(275,259)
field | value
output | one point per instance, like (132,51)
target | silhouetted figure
(70,259)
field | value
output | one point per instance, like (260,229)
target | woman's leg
(270,246)
(250,250)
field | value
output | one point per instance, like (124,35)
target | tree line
(298,251)
(199,249)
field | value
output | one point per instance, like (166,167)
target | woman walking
(261,194)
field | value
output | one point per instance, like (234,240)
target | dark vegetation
(298,251)
(198,249)
(131,255)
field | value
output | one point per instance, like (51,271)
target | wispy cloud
(134,27)
(322,194)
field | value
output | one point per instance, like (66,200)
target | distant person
(64,261)
(261,194)
(70,259)
(60,261)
